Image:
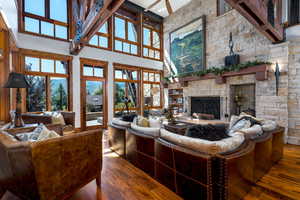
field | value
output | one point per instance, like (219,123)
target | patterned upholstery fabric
(34,135)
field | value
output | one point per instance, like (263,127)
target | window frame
(152,83)
(108,35)
(141,82)
(22,14)
(56,57)
(151,47)
(126,40)
(127,67)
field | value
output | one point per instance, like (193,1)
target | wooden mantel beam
(87,24)
(263,16)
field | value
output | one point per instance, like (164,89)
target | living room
(152,99)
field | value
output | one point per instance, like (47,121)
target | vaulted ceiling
(161,8)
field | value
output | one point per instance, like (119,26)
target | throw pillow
(143,122)
(240,124)
(208,132)
(154,122)
(32,136)
(45,135)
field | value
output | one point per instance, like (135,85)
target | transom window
(48,18)
(49,80)
(93,71)
(125,35)
(102,37)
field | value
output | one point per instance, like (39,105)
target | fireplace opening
(206,105)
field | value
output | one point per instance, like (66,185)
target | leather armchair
(50,169)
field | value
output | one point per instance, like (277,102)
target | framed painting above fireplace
(187,47)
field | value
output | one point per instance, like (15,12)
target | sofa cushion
(205,146)
(47,135)
(146,130)
(155,122)
(253,130)
(207,132)
(57,118)
(120,122)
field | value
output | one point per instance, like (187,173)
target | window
(125,35)
(49,80)
(152,89)
(294,12)
(223,7)
(102,38)
(126,86)
(152,40)
(46,17)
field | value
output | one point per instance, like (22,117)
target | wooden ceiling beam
(257,13)
(99,13)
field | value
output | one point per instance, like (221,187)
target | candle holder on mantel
(232,59)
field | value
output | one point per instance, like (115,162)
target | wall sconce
(277,76)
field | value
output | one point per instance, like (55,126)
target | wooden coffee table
(177,127)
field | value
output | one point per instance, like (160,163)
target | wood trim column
(4,72)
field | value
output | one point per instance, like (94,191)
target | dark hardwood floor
(282,181)
(122,181)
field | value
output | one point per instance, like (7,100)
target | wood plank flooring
(282,181)
(122,181)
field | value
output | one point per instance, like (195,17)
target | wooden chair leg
(98,181)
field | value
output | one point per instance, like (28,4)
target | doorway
(93,94)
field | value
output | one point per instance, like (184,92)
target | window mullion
(48,94)
(47,9)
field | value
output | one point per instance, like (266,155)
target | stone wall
(251,45)
(294,93)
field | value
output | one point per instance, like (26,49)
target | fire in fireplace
(206,105)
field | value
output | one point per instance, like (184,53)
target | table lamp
(17,80)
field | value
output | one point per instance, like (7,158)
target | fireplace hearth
(206,105)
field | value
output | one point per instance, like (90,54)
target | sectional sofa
(226,169)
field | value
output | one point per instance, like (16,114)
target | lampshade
(16,80)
